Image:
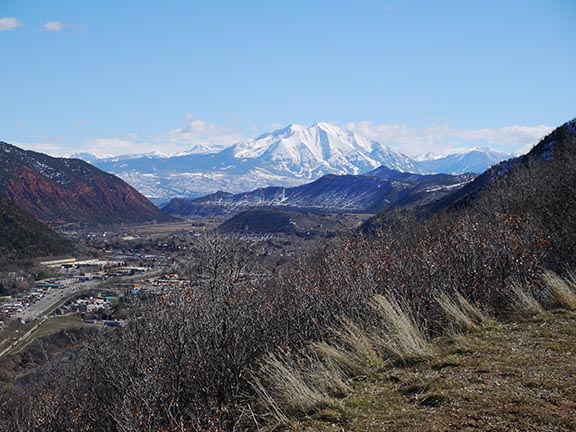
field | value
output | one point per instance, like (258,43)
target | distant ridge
(476,160)
(561,141)
(378,189)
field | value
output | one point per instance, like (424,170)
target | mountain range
(287,157)
(370,193)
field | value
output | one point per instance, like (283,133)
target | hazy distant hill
(476,160)
(63,190)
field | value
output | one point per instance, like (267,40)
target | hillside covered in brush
(60,190)
(532,174)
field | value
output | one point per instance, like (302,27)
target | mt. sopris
(287,157)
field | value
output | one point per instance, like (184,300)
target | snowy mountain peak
(89,157)
(322,148)
(289,156)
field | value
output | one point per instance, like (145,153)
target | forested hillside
(23,237)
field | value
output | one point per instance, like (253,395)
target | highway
(70,287)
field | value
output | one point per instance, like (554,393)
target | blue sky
(137,76)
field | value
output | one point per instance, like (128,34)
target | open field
(168,228)
(50,326)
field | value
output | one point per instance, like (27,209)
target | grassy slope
(518,376)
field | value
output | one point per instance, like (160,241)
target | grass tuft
(291,387)
(523,301)
(399,335)
(562,291)
(352,345)
(461,311)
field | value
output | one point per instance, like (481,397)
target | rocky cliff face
(60,190)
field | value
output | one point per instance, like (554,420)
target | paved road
(54,296)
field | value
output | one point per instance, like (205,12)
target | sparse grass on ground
(55,324)
(47,327)
(518,376)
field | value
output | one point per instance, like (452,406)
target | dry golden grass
(496,378)
(462,313)
(288,387)
(562,292)
(346,363)
(352,350)
(322,384)
(398,336)
(523,302)
(518,376)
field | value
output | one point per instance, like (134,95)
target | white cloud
(200,133)
(7,24)
(507,135)
(117,146)
(196,134)
(51,148)
(53,26)
(444,139)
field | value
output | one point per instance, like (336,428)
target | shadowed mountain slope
(22,236)
(378,189)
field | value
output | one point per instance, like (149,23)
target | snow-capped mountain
(288,157)
(323,148)
(101,158)
(476,160)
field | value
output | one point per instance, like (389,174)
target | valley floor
(518,376)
